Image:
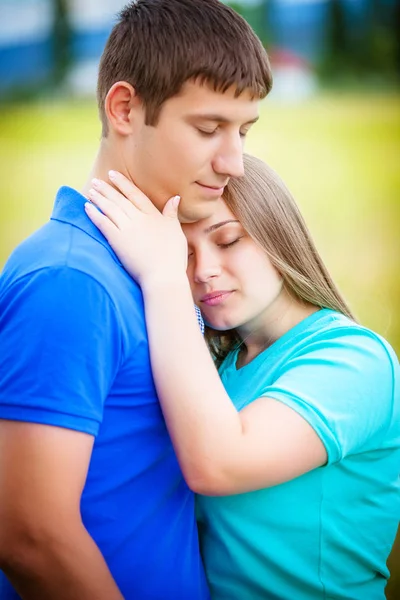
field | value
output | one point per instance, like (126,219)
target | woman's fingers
(125,194)
(171,208)
(132,192)
(109,208)
(148,245)
(102,222)
(109,192)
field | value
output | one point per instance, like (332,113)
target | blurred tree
(337,39)
(255,13)
(362,43)
(384,37)
(61,41)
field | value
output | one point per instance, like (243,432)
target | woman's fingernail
(112,174)
(91,193)
(176,201)
(96,183)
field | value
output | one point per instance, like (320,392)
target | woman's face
(232,280)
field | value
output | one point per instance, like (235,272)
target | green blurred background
(339,154)
(331,129)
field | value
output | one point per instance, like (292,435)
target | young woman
(294,448)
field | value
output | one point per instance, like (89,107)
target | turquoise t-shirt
(326,534)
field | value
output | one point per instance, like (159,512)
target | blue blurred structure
(300,27)
(90,22)
(32,38)
(26,43)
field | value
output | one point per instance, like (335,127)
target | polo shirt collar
(69,208)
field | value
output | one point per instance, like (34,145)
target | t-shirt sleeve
(60,347)
(342,384)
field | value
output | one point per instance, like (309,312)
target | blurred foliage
(364,49)
(62,37)
(338,154)
(355,50)
(256,15)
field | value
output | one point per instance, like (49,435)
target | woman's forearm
(202,421)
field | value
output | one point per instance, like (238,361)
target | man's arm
(45,550)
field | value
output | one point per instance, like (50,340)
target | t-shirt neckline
(298,328)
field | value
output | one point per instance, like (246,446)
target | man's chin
(197,210)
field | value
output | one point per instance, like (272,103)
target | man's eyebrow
(220,118)
(218,225)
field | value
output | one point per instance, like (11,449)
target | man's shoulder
(61,248)
(55,244)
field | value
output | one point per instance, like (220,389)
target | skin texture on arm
(45,550)
(220,451)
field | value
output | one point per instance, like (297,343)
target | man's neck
(107,159)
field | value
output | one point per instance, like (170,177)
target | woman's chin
(218,325)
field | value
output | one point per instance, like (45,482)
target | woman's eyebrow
(218,225)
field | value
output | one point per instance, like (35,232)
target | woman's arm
(220,451)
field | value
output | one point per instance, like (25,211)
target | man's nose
(229,160)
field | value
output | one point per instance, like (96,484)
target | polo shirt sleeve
(60,346)
(342,384)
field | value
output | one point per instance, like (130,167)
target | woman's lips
(215,298)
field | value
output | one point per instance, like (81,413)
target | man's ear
(121,106)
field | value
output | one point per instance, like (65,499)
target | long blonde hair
(267,211)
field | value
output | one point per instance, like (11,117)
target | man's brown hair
(158,45)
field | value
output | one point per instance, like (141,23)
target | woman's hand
(150,244)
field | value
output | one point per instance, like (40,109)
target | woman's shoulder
(342,354)
(333,330)
(345,372)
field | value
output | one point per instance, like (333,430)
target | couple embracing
(117,415)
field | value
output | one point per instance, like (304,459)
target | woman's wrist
(165,284)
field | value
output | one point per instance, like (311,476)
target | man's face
(196,146)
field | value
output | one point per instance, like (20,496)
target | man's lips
(215,298)
(212,188)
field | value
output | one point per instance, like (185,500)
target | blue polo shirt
(74,354)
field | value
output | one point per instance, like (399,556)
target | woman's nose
(206,269)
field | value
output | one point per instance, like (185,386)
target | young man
(92,502)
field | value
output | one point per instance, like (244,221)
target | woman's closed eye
(223,245)
(227,244)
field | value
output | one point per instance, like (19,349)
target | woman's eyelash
(223,246)
(230,243)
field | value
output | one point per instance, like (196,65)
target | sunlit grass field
(339,154)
